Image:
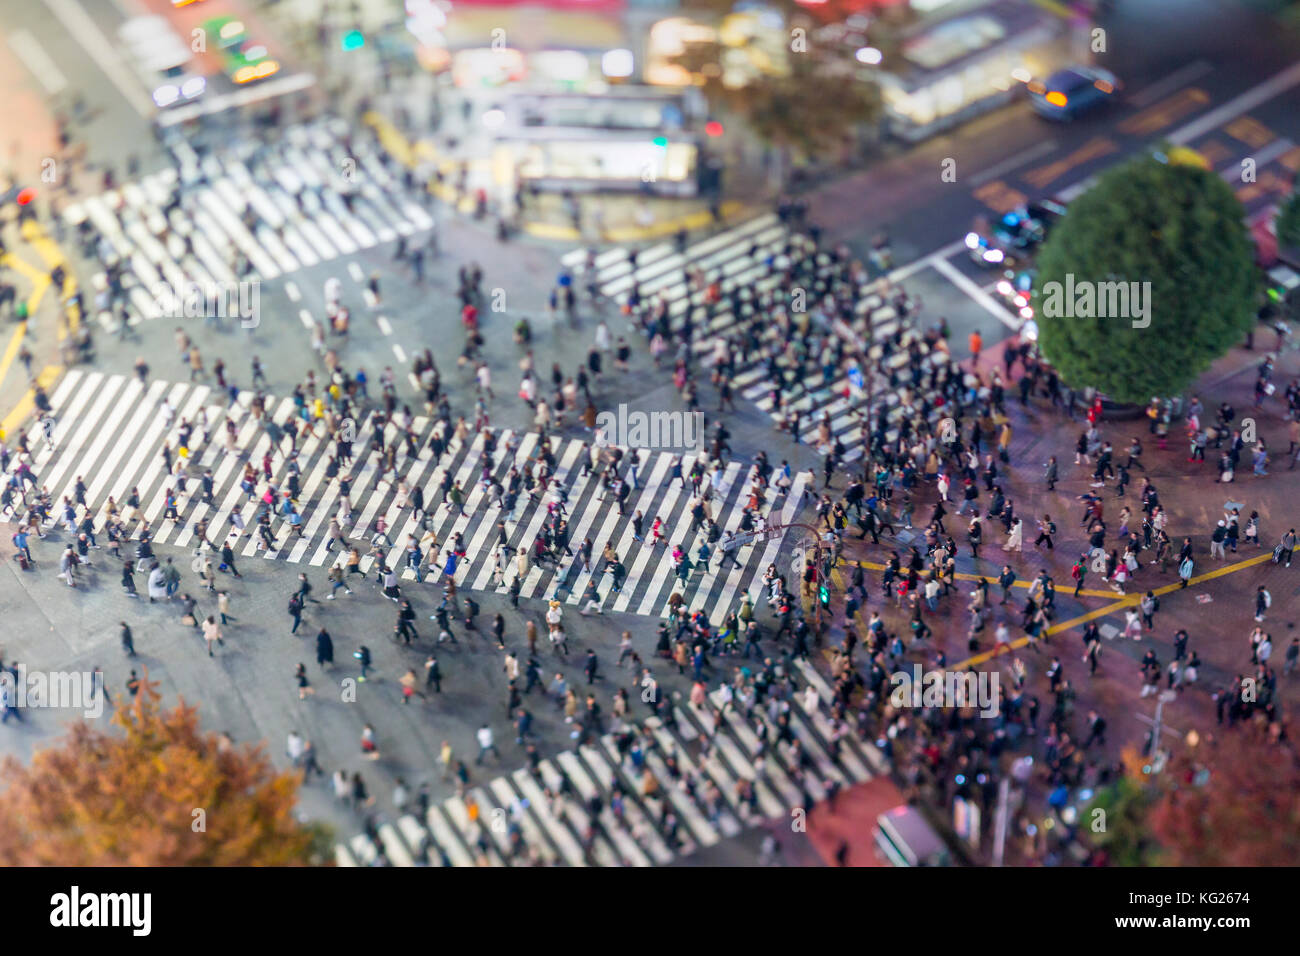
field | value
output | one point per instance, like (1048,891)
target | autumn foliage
(130,796)
(1233,801)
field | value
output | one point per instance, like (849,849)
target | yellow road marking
(1000,197)
(1093,149)
(1165,112)
(1127,601)
(15,341)
(1250,131)
(25,405)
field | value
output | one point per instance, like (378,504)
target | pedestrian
(486,743)
(324,648)
(128,643)
(212,633)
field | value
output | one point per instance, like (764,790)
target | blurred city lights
(617,63)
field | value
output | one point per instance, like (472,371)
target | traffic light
(824,593)
(352,40)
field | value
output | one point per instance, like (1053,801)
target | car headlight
(972,241)
(166,95)
(193,87)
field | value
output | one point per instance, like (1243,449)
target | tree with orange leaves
(1230,802)
(157,792)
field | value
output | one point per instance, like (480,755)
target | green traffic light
(353,40)
(661,142)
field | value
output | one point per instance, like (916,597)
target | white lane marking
(384,325)
(100,48)
(401,355)
(1013,162)
(949,271)
(306,318)
(291,290)
(1175,80)
(38,61)
(354,270)
(1236,106)
(1232,172)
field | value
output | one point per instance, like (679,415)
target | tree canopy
(158,792)
(1175,226)
(1231,801)
(809,98)
(1288,222)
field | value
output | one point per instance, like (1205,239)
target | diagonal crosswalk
(594,805)
(751,261)
(112,433)
(281,209)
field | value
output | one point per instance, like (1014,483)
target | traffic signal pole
(817,563)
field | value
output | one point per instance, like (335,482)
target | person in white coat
(1015,540)
(157,584)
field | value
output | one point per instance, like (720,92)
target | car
(161,59)
(243,59)
(1069,93)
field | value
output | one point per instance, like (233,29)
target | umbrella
(1229,505)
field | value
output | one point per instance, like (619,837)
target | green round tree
(1147,280)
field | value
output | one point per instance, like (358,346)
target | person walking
(486,743)
(212,633)
(324,648)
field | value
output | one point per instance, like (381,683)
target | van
(906,839)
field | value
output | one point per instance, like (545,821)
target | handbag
(188,620)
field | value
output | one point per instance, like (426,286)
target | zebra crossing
(112,430)
(753,256)
(563,813)
(281,206)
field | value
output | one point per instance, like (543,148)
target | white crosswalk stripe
(752,257)
(640,795)
(295,218)
(117,434)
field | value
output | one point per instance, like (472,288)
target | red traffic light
(713,128)
(25,196)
